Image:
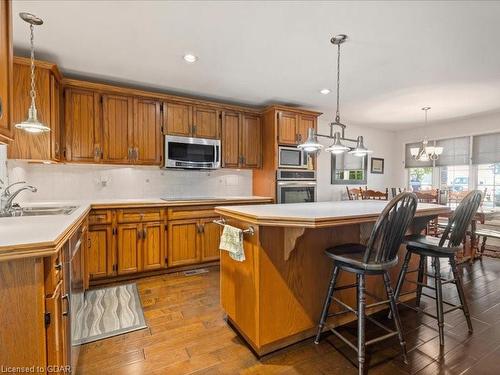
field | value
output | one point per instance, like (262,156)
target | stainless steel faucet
(7,197)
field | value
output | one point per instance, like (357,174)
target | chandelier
(426,152)
(312,146)
(32,124)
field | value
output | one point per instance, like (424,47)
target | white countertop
(45,231)
(312,214)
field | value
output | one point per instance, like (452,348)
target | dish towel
(232,241)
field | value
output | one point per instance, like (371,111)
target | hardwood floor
(188,335)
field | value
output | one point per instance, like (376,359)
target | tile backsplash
(75,181)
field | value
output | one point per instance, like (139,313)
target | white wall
(473,125)
(380,141)
(76,181)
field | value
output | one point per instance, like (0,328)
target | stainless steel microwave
(291,157)
(192,153)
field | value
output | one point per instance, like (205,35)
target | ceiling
(400,56)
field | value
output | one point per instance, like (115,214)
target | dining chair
(374,194)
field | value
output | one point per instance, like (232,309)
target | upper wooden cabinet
(117,128)
(241,140)
(191,120)
(5,71)
(147,138)
(292,127)
(36,146)
(82,128)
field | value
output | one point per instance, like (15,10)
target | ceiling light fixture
(311,145)
(31,124)
(325,91)
(425,152)
(190,58)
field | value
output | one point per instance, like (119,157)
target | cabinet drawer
(100,217)
(191,212)
(135,215)
(53,272)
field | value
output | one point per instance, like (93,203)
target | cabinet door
(6,95)
(205,122)
(99,260)
(82,128)
(55,116)
(117,118)
(147,132)
(251,141)
(28,145)
(178,118)
(287,128)
(129,248)
(55,334)
(210,240)
(230,139)
(153,255)
(305,122)
(183,242)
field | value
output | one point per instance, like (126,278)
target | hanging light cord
(337,115)
(32,55)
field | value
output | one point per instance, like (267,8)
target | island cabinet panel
(128,249)
(183,242)
(99,251)
(39,146)
(205,122)
(57,342)
(210,239)
(6,84)
(305,122)
(153,253)
(251,141)
(178,118)
(287,127)
(147,132)
(82,125)
(117,122)
(230,144)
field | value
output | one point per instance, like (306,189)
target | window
(488,180)
(420,178)
(454,178)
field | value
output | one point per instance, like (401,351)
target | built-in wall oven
(192,153)
(294,186)
(292,157)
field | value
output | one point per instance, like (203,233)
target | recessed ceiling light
(190,58)
(325,91)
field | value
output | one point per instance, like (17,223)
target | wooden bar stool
(437,248)
(375,258)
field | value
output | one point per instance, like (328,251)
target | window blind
(486,148)
(456,151)
(412,163)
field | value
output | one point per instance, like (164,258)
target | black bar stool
(437,248)
(375,258)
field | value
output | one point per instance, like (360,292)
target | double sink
(39,211)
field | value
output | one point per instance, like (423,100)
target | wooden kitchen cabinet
(191,121)
(128,249)
(305,122)
(210,239)
(82,125)
(241,140)
(147,137)
(99,260)
(6,74)
(153,255)
(292,127)
(56,335)
(36,146)
(117,128)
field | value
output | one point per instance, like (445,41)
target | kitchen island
(274,297)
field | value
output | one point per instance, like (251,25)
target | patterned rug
(109,312)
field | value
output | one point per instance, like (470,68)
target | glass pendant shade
(31,124)
(311,145)
(414,151)
(337,147)
(360,149)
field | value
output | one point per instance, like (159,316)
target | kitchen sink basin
(39,211)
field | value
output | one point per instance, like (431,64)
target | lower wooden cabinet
(128,257)
(153,246)
(192,241)
(99,260)
(57,345)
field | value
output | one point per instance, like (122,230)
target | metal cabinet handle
(129,154)
(1,108)
(136,153)
(139,234)
(58,266)
(144,233)
(68,305)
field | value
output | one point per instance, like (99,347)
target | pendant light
(426,152)
(311,145)
(32,124)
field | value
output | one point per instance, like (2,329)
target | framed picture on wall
(377,166)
